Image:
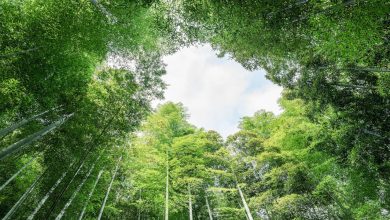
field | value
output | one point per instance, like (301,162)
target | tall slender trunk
(209,209)
(246,215)
(16,174)
(139,209)
(23,197)
(5,131)
(103,10)
(248,212)
(368,69)
(31,138)
(94,142)
(108,190)
(61,214)
(44,199)
(167,187)
(90,194)
(64,189)
(18,52)
(189,202)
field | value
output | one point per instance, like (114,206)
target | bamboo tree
(18,52)
(61,214)
(167,187)
(248,212)
(102,9)
(90,194)
(5,131)
(16,174)
(208,208)
(189,202)
(44,199)
(108,189)
(23,197)
(31,138)
(65,188)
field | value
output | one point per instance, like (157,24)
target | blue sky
(217,91)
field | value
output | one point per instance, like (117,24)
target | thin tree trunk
(5,131)
(248,212)
(61,214)
(23,197)
(102,9)
(90,194)
(347,3)
(31,138)
(369,69)
(189,202)
(246,215)
(19,52)
(108,190)
(139,209)
(167,188)
(16,174)
(44,199)
(94,142)
(209,209)
(66,187)
(301,2)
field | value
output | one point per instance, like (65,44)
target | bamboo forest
(80,137)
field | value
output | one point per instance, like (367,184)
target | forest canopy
(79,138)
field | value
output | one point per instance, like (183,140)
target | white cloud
(217,92)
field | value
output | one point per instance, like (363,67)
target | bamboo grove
(80,140)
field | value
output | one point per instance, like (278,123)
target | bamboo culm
(16,174)
(5,131)
(108,190)
(61,214)
(208,208)
(31,138)
(90,195)
(23,197)
(189,202)
(44,199)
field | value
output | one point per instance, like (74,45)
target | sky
(217,92)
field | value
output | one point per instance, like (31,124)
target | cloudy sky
(217,91)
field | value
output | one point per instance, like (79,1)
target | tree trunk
(19,52)
(139,209)
(5,131)
(103,10)
(31,138)
(167,188)
(16,174)
(209,209)
(90,194)
(248,212)
(44,199)
(189,202)
(108,190)
(21,199)
(59,216)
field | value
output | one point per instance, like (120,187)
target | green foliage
(325,157)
